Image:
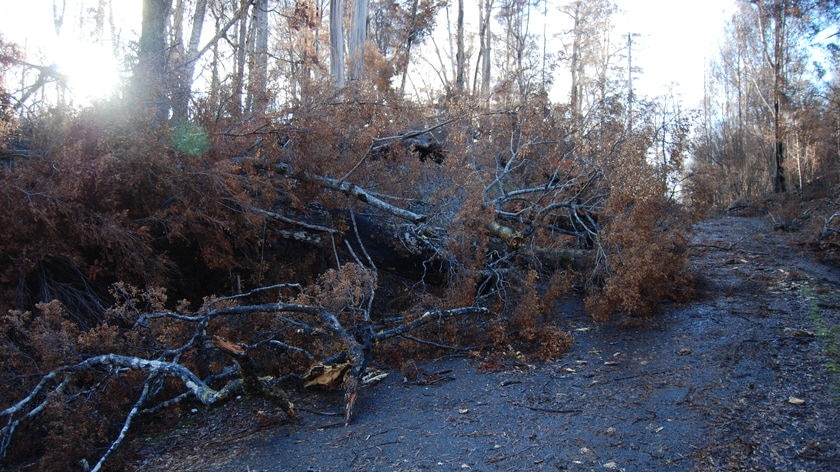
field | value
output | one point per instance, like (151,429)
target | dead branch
(367,197)
(199,390)
(511,237)
(428,316)
(357,339)
(144,394)
(302,224)
(266,387)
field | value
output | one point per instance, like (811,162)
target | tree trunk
(779,185)
(181,100)
(358,37)
(337,43)
(574,97)
(149,90)
(258,64)
(408,42)
(485,40)
(460,59)
(239,69)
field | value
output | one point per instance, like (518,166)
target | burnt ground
(738,380)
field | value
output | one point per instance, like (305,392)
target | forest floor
(736,380)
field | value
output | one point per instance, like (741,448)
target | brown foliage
(114,215)
(644,258)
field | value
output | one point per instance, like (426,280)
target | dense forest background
(282,184)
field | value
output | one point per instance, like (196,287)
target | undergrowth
(114,221)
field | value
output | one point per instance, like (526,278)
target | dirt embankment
(737,380)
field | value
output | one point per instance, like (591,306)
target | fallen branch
(428,316)
(127,423)
(201,391)
(312,320)
(266,387)
(302,224)
(366,197)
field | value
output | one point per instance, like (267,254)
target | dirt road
(737,380)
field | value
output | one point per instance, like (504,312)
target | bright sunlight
(91,70)
(51,34)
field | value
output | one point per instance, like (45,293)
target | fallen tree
(381,237)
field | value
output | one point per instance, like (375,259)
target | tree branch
(366,197)
(428,316)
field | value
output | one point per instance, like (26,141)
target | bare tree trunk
(177,26)
(148,86)
(485,39)
(337,43)
(258,63)
(408,42)
(460,59)
(58,15)
(779,185)
(239,71)
(181,100)
(574,67)
(629,81)
(358,36)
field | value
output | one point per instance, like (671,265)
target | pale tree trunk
(239,69)
(215,80)
(181,101)
(460,58)
(575,66)
(59,8)
(337,43)
(148,87)
(485,36)
(776,61)
(177,55)
(177,26)
(408,43)
(358,37)
(99,19)
(258,65)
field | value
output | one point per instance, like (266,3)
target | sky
(676,39)
(673,41)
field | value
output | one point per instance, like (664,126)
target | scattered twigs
(437,345)
(428,316)
(550,410)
